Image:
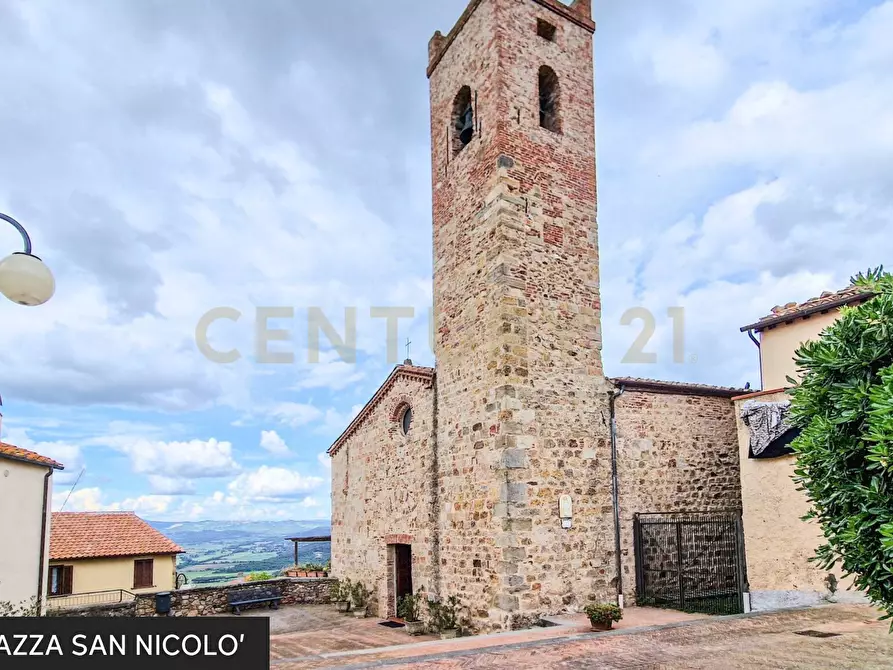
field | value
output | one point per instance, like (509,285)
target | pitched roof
(407,370)
(18,454)
(105,534)
(680,388)
(824,303)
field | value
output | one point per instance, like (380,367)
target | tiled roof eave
(31,461)
(127,554)
(677,388)
(806,310)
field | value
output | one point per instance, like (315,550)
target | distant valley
(224,551)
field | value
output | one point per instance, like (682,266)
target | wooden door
(403,570)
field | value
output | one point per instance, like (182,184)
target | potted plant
(359,597)
(602,617)
(409,609)
(341,595)
(445,617)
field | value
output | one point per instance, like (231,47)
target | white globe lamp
(24,278)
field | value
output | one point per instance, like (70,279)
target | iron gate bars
(691,561)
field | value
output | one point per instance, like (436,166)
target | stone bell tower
(522,402)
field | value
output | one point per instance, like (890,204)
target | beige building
(512,473)
(106,557)
(779,543)
(25,493)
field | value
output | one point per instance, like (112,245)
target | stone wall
(675,452)
(127,609)
(207,600)
(383,492)
(521,398)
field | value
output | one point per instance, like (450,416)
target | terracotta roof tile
(19,454)
(105,534)
(686,388)
(827,301)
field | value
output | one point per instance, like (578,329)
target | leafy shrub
(314,567)
(444,615)
(409,607)
(603,613)
(259,576)
(24,608)
(359,595)
(341,591)
(844,408)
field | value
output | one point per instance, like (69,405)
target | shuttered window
(61,578)
(143,574)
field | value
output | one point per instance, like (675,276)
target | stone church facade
(497,476)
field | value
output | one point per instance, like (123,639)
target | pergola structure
(307,540)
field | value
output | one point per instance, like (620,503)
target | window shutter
(67,579)
(143,573)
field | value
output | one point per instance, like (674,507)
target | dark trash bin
(163,603)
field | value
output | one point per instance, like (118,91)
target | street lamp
(24,278)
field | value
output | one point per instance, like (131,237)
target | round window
(407,420)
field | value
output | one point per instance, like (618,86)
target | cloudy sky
(170,157)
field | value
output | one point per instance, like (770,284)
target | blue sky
(169,158)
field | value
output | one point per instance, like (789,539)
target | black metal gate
(691,561)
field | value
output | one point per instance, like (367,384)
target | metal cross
(408,342)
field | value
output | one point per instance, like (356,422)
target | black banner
(172,643)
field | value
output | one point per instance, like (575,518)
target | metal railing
(109,597)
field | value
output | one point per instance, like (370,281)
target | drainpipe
(615,494)
(43,540)
(760,349)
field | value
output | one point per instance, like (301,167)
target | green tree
(844,407)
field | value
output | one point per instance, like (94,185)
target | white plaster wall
(21,503)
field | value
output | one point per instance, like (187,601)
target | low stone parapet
(207,600)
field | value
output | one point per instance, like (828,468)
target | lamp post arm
(18,226)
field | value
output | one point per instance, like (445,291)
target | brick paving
(755,642)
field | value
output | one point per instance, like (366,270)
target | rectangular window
(60,581)
(545,30)
(144,573)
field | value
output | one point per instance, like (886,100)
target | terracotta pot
(343,605)
(601,625)
(415,627)
(360,613)
(448,634)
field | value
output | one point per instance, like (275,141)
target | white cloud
(273,443)
(686,63)
(334,375)
(171,486)
(81,500)
(69,455)
(193,459)
(268,483)
(334,422)
(293,414)
(324,460)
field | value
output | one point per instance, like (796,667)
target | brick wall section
(674,453)
(522,402)
(383,492)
